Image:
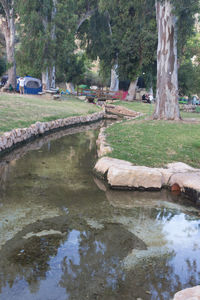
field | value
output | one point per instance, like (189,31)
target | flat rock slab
(134,177)
(188,294)
(103,164)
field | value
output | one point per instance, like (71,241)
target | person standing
(21,85)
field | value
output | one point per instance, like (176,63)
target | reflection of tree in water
(99,270)
(158,277)
(90,259)
(70,153)
(4,174)
(29,259)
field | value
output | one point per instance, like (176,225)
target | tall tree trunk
(45,79)
(49,74)
(114,84)
(53,37)
(48,78)
(70,87)
(167,107)
(8,28)
(132,90)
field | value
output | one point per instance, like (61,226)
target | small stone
(148,292)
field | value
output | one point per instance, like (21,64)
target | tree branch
(83,18)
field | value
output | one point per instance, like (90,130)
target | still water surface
(65,235)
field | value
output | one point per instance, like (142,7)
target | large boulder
(188,294)
(105,163)
(134,177)
(190,180)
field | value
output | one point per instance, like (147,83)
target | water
(65,235)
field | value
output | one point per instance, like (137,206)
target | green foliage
(123,31)
(134,36)
(46,34)
(185,11)
(2,66)
(74,68)
(189,71)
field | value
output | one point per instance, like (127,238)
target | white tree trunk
(49,74)
(8,28)
(48,78)
(53,37)
(70,87)
(132,90)
(167,107)
(45,80)
(114,84)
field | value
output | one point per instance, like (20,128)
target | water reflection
(65,235)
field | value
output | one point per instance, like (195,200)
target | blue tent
(31,85)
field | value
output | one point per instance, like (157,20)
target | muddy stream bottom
(65,235)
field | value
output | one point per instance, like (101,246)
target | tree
(95,39)
(189,71)
(47,33)
(134,37)
(169,20)
(7,19)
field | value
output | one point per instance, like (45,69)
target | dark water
(64,235)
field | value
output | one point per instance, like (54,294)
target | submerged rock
(188,294)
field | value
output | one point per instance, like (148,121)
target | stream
(65,235)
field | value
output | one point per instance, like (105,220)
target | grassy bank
(18,111)
(148,109)
(155,143)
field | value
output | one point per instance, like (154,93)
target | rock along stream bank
(121,174)
(19,135)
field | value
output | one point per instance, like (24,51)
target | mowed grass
(155,143)
(148,109)
(18,111)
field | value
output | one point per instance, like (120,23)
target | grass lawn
(18,111)
(148,109)
(155,143)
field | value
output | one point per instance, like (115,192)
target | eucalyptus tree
(133,43)
(7,21)
(175,21)
(96,40)
(47,36)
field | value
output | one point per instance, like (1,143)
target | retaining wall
(19,135)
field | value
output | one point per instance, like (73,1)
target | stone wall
(121,174)
(124,175)
(19,135)
(188,107)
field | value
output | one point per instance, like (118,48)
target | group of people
(147,98)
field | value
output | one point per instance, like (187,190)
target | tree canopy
(60,34)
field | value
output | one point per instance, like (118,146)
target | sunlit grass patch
(21,111)
(155,143)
